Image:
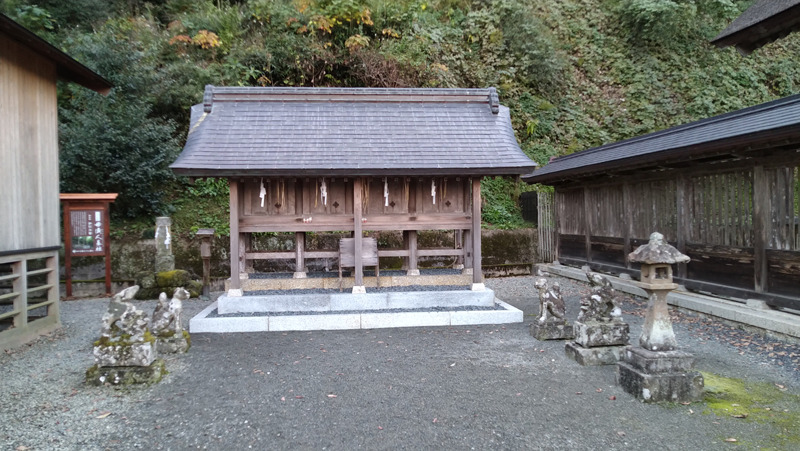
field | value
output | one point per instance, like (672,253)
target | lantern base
(659,376)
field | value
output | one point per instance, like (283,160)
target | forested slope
(575,73)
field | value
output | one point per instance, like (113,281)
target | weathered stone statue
(126,352)
(600,333)
(601,304)
(551,323)
(166,323)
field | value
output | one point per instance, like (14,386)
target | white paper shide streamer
(323,192)
(386,192)
(263,193)
(433,191)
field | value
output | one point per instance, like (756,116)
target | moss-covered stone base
(175,345)
(126,375)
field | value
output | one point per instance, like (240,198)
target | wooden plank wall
(29,211)
(546,226)
(741,227)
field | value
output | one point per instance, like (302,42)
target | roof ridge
(326,94)
(684,127)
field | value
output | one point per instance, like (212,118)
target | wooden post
(683,224)
(51,264)
(107,245)
(587,211)
(467,251)
(67,248)
(627,226)
(458,238)
(761,227)
(235,286)
(477,276)
(358,270)
(20,286)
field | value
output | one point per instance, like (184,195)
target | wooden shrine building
(351,159)
(723,190)
(29,210)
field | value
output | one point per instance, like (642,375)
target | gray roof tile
(687,141)
(762,23)
(350,131)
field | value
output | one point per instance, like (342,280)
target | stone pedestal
(125,354)
(177,344)
(552,330)
(126,375)
(654,376)
(598,342)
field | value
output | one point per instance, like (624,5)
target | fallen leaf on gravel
(612,397)
(435,420)
(691,411)
(731,440)
(22,448)
(578,392)
(380,428)
(742,415)
(452,364)
(621,434)
(298,397)
(599,390)
(685,403)
(331,396)
(103,415)
(781,387)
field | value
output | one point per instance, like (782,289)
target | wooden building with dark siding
(724,190)
(351,159)
(29,209)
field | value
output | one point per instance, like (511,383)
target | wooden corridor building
(351,159)
(724,190)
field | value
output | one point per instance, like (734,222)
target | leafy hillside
(575,73)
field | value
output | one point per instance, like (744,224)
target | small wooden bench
(369,256)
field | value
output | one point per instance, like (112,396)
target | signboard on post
(86,231)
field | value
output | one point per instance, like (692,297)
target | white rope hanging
(433,190)
(323,192)
(262,193)
(386,192)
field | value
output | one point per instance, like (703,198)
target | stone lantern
(656,370)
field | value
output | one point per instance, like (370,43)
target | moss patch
(761,402)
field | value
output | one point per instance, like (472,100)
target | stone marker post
(205,253)
(165,261)
(656,370)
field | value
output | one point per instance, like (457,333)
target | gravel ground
(450,387)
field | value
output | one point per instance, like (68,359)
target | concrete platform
(362,319)
(332,282)
(327,302)
(775,322)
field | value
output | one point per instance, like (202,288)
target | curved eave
(426,172)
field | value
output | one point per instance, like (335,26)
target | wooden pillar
(235,285)
(358,270)
(458,237)
(67,248)
(467,251)
(761,227)
(52,280)
(683,220)
(477,276)
(627,226)
(20,286)
(587,211)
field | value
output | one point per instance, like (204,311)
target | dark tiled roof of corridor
(686,141)
(762,23)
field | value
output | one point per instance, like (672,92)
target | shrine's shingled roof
(350,131)
(776,121)
(762,23)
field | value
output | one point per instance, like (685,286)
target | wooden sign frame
(86,231)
